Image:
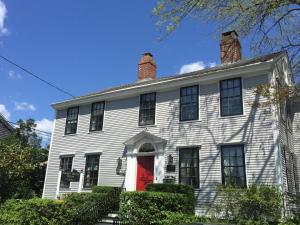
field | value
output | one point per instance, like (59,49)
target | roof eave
(180,80)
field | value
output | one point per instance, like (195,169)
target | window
(91,171)
(233,165)
(65,167)
(147,109)
(231,97)
(72,119)
(189,166)
(189,109)
(97,114)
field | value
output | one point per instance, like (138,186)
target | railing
(95,213)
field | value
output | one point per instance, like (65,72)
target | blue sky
(84,46)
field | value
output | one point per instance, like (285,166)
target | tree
(272,25)
(22,163)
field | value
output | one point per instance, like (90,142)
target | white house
(199,128)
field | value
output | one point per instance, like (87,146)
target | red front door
(144,172)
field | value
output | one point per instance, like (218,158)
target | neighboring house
(199,128)
(5,128)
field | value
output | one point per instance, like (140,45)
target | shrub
(260,203)
(114,193)
(253,205)
(174,218)
(90,206)
(34,211)
(176,188)
(148,207)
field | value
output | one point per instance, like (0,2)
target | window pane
(97,114)
(71,120)
(189,166)
(91,170)
(231,97)
(65,166)
(233,165)
(147,109)
(189,103)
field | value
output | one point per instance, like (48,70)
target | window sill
(145,126)
(233,116)
(96,132)
(69,135)
(189,121)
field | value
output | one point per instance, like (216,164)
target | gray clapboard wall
(254,129)
(5,128)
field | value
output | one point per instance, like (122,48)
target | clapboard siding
(254,129)
(296,138)
(4,131)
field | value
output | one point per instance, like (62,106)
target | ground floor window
(233,165)
(91,171)
(189,166)
(289,161)
(65,167)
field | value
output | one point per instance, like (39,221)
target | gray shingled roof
(6,123)
(244,62)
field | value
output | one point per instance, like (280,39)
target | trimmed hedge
(114,193)
(151,207)
(76,208)
(34,211)
(186,190)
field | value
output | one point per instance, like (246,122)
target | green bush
(176,188)
(148,207)
(174,218)
(253,205)
(91,206)
(34,211)
(114,193)
(260,203)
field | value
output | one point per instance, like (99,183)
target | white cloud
(44,125)
(199,65)
(13,75)
(3,12)
(24,106)
(4,111)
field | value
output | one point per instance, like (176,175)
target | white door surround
(133,146)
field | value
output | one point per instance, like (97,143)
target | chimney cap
(147,57)
(227,33)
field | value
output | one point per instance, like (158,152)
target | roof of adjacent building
(259,59)
(6,123)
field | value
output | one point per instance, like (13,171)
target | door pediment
(144,135)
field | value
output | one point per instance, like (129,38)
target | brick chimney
(146,67)
(231,50)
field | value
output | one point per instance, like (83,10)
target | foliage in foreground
(153,207)
(22,163)
(253,205)
(76,208)
(186,190)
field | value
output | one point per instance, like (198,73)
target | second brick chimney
(231,50)
(146,67)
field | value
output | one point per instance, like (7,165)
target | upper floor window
(65,167)
(97,115)
(233,165)
(72,119)
(91,170)
(231,98)
(189,104)
(189,166)
(147,109)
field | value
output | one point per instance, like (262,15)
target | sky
(85,46)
